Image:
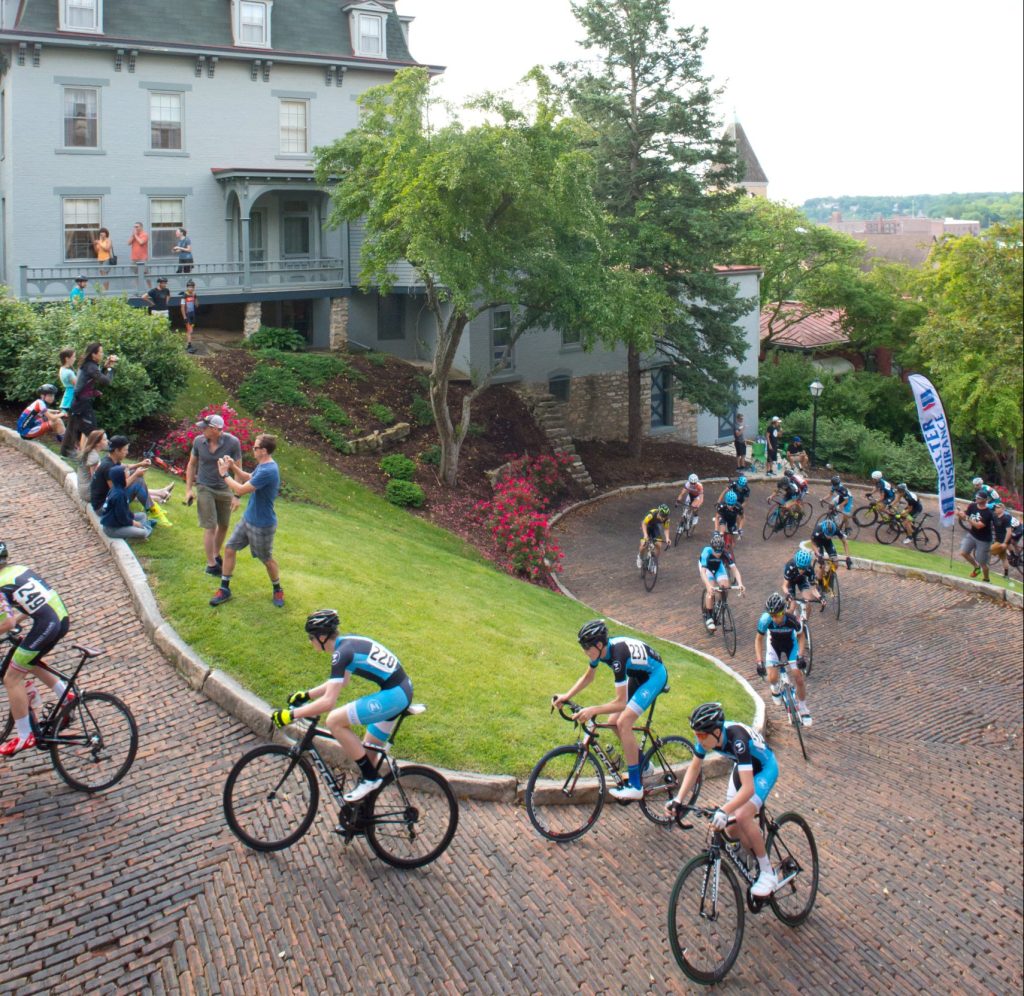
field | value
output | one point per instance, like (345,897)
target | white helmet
(775,418)
(876,475)
(978,482)
(693,479)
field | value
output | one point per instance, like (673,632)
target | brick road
(144,889)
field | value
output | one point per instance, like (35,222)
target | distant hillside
(989,209)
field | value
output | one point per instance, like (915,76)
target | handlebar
(590,726)
(681,810)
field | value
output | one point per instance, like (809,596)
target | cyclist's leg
(771,661)
(639,703)
(707,579)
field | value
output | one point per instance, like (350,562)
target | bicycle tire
(789,702)
(664,764)
(865,516)
(7,728)
(810,647)
(397,831)
(768,529)
(793,903)
(728,629)
(702,931)
(794,521)
(837,595)
(97,742)
(567,818)
(888,532)
(270,797)
(927,540)
(650,572)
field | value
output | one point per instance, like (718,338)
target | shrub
(382,413)
(431,455)
(269,337)
(17,319)
(398,467)
(405,493)
(313,368)
(377,359)
(176,447)
(476,429)
(422,413)
(269,383)
(332,411)
(321,425)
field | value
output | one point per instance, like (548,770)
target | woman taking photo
(94,373)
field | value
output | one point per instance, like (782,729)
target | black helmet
(707,717)
(836,480)
(788,473)
(322,623)
(717,543)
(46,389)
(592,633)
(3,551)
(775,603)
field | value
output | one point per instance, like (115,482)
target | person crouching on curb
(259,520)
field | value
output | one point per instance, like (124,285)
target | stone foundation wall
(252,319)
(338,330)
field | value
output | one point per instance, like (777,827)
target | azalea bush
(176,447)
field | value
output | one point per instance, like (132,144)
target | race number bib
(31,596)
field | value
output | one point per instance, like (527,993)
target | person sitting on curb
(116,518)
(38,418)
(135,483)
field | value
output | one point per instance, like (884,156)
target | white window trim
(63,224)
(149,213)
(97,28)
(280,126)
(236,23)
(181,123)
(98,147)
(368,9)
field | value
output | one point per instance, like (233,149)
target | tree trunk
(635,429)
(1008,476)
(448,335)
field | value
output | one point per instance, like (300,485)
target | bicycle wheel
(705,919)
(412,818)
(664,766)
(270,798)
(793,852)
(866,515)
(7,727)
(888,532)
(794,521)
(97,742)
(565,793)
(789,701)
(650,574)
(810,647)
(837,596)
(770,523)
(927,539)
(728,629)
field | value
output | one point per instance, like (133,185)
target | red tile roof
(819,330)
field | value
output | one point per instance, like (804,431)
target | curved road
(143,888)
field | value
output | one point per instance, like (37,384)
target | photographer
(94,373)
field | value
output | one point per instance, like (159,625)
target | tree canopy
(988,208)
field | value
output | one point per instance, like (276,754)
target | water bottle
(613,759)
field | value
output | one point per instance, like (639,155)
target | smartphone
(188,501)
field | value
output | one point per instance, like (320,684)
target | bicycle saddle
(87,651)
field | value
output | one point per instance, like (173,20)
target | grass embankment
(899,554)
(484,651)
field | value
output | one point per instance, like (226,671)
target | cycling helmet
(876,475)
(47,389)
(663,510)
(789,474)
(829,528)
(977,482)
(775,603)
(592,633)
(775,418)
(741,481)
(693,479)
(730,498)
(717,543)
(322,623)
(901,486)
(836,480)
(3,551)
(803,559)
(707,718)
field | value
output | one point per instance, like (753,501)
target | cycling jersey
(886,490)
(819,539)
(637,666)
(914,506)
(1018,532)
(801,483)
(985,489)
(366,658)
(788,489)
(24,591)
(714,562)
(801,577)
(693,492)
(782,635)
(742,492)
(1003,524)
(654,524)
(31,423)
(728,515)
(745,746)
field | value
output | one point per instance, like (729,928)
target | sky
(897,97)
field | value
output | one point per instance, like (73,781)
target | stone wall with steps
(549,415)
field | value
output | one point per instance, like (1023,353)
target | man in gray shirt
(215,501)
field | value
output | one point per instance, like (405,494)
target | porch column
(253,319)
(338,331)
(246,263)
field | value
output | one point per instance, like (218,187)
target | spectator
(134,484)
(215,502)
(77,295)
(158,298)
(94,373)
(189,308)
(116,518)
(977,544)
(67,378)
(138,243)
(772,444)
(104,249)
(740,441)
(797,455)
(182,248)
(1003,525)
(89,457)
(259,520)
(38,418)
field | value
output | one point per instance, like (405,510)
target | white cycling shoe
(362,789)
(627,793)
(639,562)
(766,884)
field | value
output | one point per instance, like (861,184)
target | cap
(775,418)
(210,422)
(81,279)
(161,280)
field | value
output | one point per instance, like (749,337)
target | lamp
(816,388)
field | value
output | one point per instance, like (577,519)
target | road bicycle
(91,737)
(873,512)
(1014,562)
(271,797)
(649,564)
(707,907)
(721,615)
(846,523)
(788,520)
(787,693)
(729,540)
(565,792)
(686,523)
(806,623)
(891,529)
(828,583)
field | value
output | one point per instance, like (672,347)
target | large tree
(973,339)
(500,213)
(667,178)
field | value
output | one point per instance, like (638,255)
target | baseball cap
(210,422)
(161,280)
(81,280)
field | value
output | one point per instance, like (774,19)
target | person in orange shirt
(104,249)
(138,243)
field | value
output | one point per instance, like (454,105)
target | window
(727,424)
(165,215)
(369,34)
(253,24)
(661,397)
(165,121)
(501,338)
(572,337)
(295,224)
(80,15)
(294,117)
(81,223)
(81,118)
(558,386)
(391,316)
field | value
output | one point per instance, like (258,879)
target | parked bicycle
(92,737)
(649,564)
(721,614)
(828,583)
(271,797)
(706,915)
(847,523)
(565,792)
(685,528)
(891,529)
(785,519)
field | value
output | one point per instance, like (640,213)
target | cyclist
(753,774)
(378,711)
(654,528)
(1004,528)
(786,642)
(979,484)
(639,676)
(882,491)
(717,565)
(39,418)
(790,491)
(841,499)
(913,507)
(824,537)
(24,595)
(738,487)
(729,515)
(798,576)
(692,494)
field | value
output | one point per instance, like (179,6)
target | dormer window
(368,26)
(81,15)
(251,22)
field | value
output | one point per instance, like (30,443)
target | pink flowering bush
(176,447)
(1010,499)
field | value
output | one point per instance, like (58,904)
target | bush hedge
(271,337)
(269,383)
(405,493)
(398,467)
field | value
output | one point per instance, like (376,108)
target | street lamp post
(816,388)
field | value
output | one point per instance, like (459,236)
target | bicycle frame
(590,742)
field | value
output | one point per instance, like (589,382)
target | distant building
(902,239)
(754,181)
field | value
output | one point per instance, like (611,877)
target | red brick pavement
(144,889)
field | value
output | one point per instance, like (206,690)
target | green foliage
(405,493)
(17,319)
(313,369)
(476,429)
(332,412)
(271,384)
(382,413)
(398,467)
(988,208)
(270,337)
(422,413)
(431,455)
(376,359)
(321,425)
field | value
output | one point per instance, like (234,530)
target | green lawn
(899,554)
(485,652)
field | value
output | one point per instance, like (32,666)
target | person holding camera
(94,374)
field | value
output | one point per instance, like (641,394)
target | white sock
(776,689)
(23,727)
(801,704)
(764,864)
